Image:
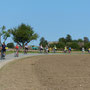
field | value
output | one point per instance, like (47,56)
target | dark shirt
(3,47)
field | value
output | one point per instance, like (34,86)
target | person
(0,49)
(88,50)
(46,49)
(50,49)
(26,49)
(41,48)
(65,49)
(69,49)
(3,51)
(16,50)
(83,50)
(54,49)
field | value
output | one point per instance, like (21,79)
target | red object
(17,47)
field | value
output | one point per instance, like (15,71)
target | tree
(23,34)
(79,40)
(62,40)
(60,45)
(75,45)
(87,45)
(4,34)
(10,45)
(1,32)
(68,38)
(86,40)
(43,42)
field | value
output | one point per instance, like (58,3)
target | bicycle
(2,54)
(16,53)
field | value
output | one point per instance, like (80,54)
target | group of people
(83,50)
(67,49)
(3,49)
(47,49)
(17,50)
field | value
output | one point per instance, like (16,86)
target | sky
(51,19)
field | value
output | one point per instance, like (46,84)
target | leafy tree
(74,40)
(68,44)
(87,45)
(86,40)
(4,34)
(51,45)
(10,45)
(79,40)
(68,38)
(62,40)
(60,45)
(43,42)
(23,34)
(2,29)
(75,45)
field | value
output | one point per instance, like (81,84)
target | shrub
(10,45)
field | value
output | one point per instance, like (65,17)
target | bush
(75,45)
(10,45)
(60,45)
(87,45)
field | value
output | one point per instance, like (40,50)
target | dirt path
(51,72)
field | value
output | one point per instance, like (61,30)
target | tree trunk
(23,45)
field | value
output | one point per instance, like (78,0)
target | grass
(61,52)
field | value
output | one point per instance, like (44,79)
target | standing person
(16,50)
(3,51)
(26,49)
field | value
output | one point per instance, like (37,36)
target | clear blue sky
(51,19)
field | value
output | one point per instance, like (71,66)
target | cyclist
(26,49)
(41,48)
(3,51)
(65,49)
(54,49)
(69,49)
(83,50)
(16,50)
(46,49)
(0,49)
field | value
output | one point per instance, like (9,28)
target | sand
(48,72)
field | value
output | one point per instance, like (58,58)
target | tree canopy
(23,34)
(43,42)
(3,33)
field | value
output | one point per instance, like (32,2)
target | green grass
(73,52)
(9,52)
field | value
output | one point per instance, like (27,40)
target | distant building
(81,44)
(53,42)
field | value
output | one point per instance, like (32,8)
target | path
(11,57)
